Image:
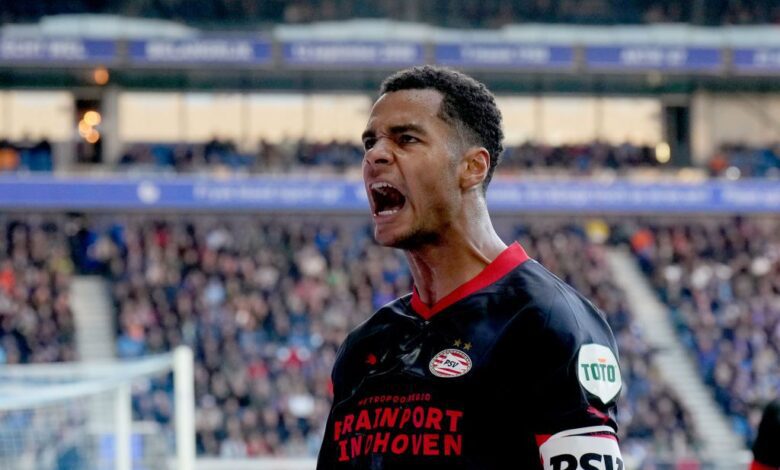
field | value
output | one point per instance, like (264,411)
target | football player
(492,362)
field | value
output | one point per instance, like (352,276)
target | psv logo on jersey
(450,363)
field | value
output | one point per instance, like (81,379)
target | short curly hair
(467,104)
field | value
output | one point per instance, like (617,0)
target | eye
(407,139)
(368,144)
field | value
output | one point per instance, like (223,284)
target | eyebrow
(398,129)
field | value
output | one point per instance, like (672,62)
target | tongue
(394,199)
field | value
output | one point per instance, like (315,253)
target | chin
(405,241)
(387,239)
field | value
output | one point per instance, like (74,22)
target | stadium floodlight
(70,416)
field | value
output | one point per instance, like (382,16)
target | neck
(462,252)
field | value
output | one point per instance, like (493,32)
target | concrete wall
(37,114)
(749,118)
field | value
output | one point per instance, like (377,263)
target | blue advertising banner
(625,197)
(64,50)
(308,194)
(181,193)
(670,58)
(367,53)
(199,51)
(757,60)
(510,56)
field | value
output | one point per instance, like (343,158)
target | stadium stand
(301,155)
(36,323)
(732,161)
(266,305)
(579,159)
(267,301)
(298,156)
(453,13)
(719,279)
(270,157)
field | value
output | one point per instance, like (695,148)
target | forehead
(406,107)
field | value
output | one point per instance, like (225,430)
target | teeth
(381,184)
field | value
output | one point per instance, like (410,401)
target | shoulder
(570,365)
(575,343)
(562,331)
(557,311)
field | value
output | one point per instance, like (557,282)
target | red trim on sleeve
(513,256)
(760,466)
(595,411)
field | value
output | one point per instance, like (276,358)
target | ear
(474,167)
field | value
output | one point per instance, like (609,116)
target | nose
(380,153)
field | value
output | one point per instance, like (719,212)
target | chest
(424,391)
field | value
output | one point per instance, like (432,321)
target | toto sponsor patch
(598,371)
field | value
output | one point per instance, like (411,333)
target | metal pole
(184,399)
(124,420)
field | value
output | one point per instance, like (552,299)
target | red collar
(513,256)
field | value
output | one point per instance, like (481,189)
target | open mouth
(387,199)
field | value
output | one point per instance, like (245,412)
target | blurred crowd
(26,156)
(36,323)
(739,161)
(580,159)
(334,157)
(450,13)
(302,156)
(721,281)
(266,302)
(218,155)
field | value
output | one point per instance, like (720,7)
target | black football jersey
(514,369)
(765,449)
